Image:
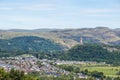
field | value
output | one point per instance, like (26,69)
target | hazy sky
(32,14)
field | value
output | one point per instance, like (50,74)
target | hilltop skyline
(29,14)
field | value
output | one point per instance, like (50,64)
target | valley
(88,53)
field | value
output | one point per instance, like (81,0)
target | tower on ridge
(81,41)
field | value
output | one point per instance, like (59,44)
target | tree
(97,74)
(77,70)
(16,74)
(118,73)
(85,72)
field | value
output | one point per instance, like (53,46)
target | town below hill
(28,67)
(60,54)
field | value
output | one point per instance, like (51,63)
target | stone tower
(81,41)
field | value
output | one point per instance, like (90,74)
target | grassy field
(107,70)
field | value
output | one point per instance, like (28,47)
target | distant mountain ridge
(69,37)
(32,30)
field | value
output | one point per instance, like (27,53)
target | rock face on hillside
(70,37)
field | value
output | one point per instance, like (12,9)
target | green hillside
(92,52)
(69,37)
(30,44)
(88,52)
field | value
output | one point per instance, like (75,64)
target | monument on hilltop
(81,40)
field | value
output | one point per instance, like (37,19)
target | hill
(29,44)
(92,52)
(69,37)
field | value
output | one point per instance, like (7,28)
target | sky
(35,14)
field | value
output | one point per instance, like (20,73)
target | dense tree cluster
(15,75)
(86,52)
(29,44)
(19,75)
(69,68)
(92,52)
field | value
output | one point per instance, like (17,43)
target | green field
(107,70)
